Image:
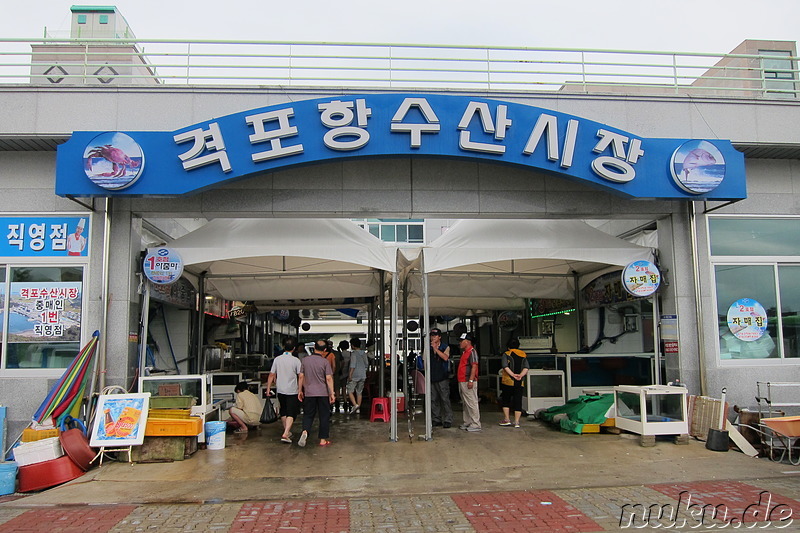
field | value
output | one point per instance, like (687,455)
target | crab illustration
(117,157)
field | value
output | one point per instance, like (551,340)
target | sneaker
(447,425)
(505,423)
(473,429)
(355,410)
(287,440)
(437,424)
(302,441)
(516,425)
(463,426)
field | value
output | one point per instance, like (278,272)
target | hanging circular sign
(508,320)
(641,278)
(163,266)
(747,319)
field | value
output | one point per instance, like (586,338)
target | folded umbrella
(69,388)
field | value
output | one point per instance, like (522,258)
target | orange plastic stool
(380,410)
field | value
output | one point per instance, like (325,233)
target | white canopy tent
(484,265)
(476,264)
(480,265)
(272,261)
(266,260)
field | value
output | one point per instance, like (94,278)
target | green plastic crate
(171,402)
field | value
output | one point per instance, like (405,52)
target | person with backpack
(441,410)
(514,364)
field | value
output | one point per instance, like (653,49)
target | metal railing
(54,61)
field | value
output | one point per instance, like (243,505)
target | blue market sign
(205,155)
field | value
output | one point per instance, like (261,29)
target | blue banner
(44,236)
(205,155)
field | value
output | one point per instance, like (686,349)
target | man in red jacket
(468,383)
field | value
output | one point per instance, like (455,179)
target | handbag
(268,414)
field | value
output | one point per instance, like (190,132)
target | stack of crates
(32,435)
(170,416)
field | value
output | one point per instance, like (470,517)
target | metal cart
(780,434)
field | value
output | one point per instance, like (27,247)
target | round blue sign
(163,266)
(113,161)
(747,319)
(697,167)
(641,278)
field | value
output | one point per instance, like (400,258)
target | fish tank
(195,385)
(651,409)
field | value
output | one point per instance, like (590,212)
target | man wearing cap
(468,383)
(441,411)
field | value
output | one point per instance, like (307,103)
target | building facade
(713,252)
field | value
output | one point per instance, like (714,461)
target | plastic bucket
(8,478)
(215,435)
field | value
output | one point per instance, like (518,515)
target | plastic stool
(380,410)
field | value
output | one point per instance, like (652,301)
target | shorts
(356,386)
(289,405)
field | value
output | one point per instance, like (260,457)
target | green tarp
(581,410)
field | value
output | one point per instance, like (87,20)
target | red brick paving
(522,512)
(84,519)
(743,502)
(320,516)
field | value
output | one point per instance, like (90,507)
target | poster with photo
(48,311)
(120,420)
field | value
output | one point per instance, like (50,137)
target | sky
(713,26)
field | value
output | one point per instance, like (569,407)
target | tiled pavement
(701,506)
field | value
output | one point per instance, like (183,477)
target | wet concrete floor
(363,462)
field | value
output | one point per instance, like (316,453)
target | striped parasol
(66,394)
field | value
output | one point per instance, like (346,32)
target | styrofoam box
(39,451)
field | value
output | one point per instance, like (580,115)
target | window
(81,19)
(756,264)
(394,230)
(103,19)
(42,316)
(778,72)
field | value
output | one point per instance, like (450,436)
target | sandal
(506,423)
(287,440)
(326,443)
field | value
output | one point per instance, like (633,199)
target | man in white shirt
(284,373)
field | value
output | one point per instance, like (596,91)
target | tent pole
(393,355)
(145,325)
(406,391)
(380,349)
(426,347)
(578,317)
(371,326)
(656,340)
(201,319)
